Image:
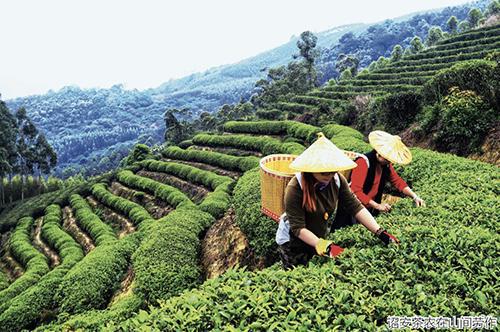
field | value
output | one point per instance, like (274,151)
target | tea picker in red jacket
(375,168)
(312,199)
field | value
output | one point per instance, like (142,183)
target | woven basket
(274,177)
(275,174)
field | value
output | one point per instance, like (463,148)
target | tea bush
(34,262)
(100,232)
(93,280)
(33,305)
(224,161)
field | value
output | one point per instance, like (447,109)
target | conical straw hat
(390,147)
(322,156)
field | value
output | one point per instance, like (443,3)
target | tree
(308,51)
(140,152)
(45,156)
(345,75)
(397,53)
(25,141)
(176,131)
(452,25)
(493,8)
(435,35)
(382,62)
(464,26)
(8,150)
(474,16)
(416,45)
(347,62)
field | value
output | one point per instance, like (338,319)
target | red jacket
(358,176)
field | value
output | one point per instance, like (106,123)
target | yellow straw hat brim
(390,147)
(322,156)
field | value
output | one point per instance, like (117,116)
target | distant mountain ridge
(94,128)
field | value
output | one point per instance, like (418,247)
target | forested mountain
(85,125)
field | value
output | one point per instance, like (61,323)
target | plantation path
(11,266)
(230,151)
(38,242)
(116,220)
(125,286)
(217,170)
(225,246)
(196,192)
(155,207)
(70,225)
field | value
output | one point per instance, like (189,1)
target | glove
(385,237)
(328,248)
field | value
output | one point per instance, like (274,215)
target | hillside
(92,129)
(407,74)
(96,254)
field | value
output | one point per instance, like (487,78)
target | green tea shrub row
(450,58)
(305,132)
(169,194)
(295,107)
(241,164)
(36,205)
(134,211)
(186,172)
(357,291)
(94,320)
(473,35)
(32,305)
(4,281)
(346,138)
(100,232)
(264,144)
(344,95)
(166,262)
(216,202)
(477,75)
(34,262)
(56,237)
(445,265)
(376,87)
(295,129)
(270,114)
(383,80)
(316,101)
(456,48)
(256,127)
(435,67)
(393,76)
(258,228)
(92,281)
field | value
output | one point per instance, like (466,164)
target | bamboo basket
(274,177)
(275,174)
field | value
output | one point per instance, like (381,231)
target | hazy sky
(49,44)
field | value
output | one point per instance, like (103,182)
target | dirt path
(230,151)
(206,167)
(70,225)
(116,220)
(155,207)
(125,286)
(195,192)
(10,266)
(224,246)
(38,242)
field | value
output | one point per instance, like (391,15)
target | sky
(46,45)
